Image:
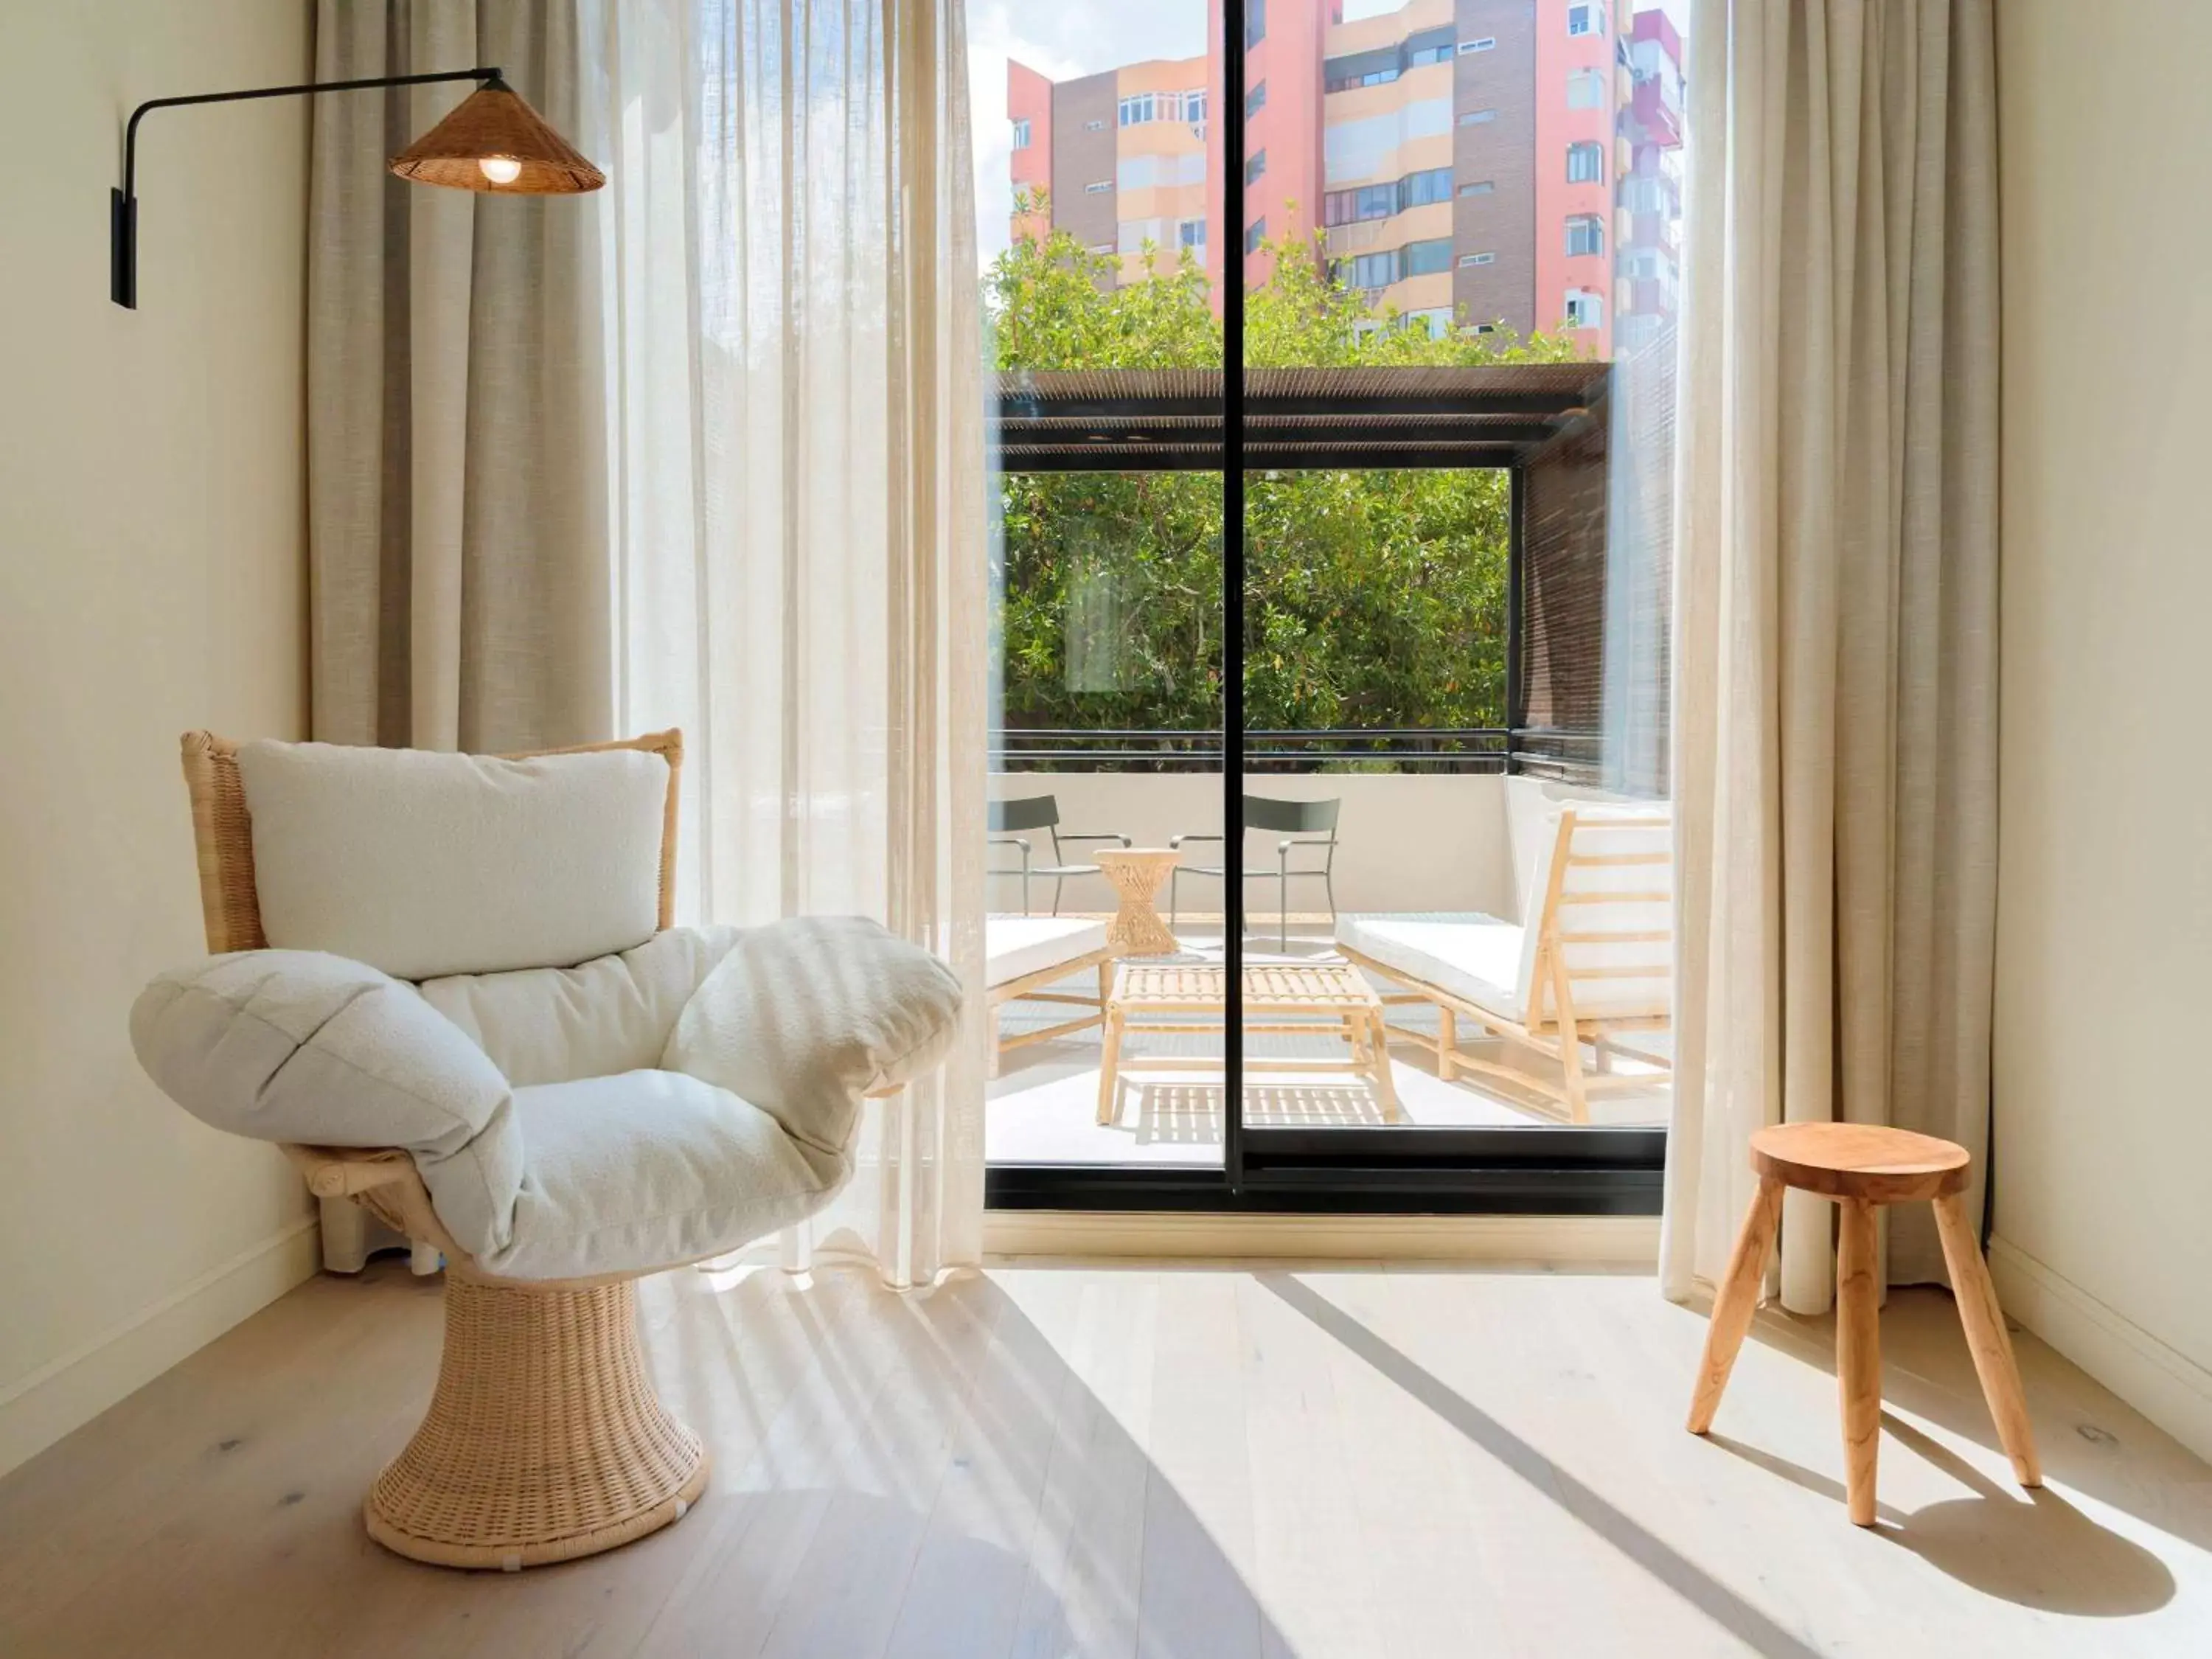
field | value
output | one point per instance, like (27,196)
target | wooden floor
(1190,1463)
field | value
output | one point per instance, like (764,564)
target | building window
(1194,106)
(1370,271)
(1586,89)
(1429,46)
(1436,321)
(1478,187)
(1584,309)
(1022,133)
(1488,43)
(1191,234)
(1098,187)
(1585,235)
(1475,117)
(1585,20)
(1255,21)
(1485,328)
(1255,165)
(1137,110)
(1137,234)
(1586,164)
(1255,101)
(1478,260)
(1254,234)
(1419,189)
(1424,258)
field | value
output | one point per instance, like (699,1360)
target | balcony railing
(1541,750)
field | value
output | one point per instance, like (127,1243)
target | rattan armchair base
(544,1440)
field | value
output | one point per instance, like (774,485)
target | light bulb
(499,169)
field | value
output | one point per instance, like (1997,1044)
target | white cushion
(804,1017)
(611,1014)
(1014,947)
(1472,956)
(298,1046)
(648,1169)
(425,864)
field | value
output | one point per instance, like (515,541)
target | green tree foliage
(1373,599)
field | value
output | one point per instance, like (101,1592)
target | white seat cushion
(648,1169)
(425,865)
(613,1014)
(1017,946)
(1472,956)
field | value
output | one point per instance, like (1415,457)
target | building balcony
(1450,835)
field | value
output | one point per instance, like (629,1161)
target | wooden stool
(1860,1166)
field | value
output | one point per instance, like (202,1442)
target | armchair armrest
(1289,842)
(1175,842)
(1108,835)
(309,1049)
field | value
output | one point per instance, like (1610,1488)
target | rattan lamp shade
(496,126)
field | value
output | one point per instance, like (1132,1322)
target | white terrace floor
(1043,1105)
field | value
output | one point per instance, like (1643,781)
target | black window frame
(1523,1171)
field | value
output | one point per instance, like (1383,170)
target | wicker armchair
(544,1439)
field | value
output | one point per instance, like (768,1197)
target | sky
(1064,37)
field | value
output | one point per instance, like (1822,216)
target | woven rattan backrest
(222,832)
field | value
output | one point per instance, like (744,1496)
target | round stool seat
(1870,1162)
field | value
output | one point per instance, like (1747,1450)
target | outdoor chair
(448,986)
(1310,824)
(1592,960)
(1009,818)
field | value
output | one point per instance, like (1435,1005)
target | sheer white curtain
(797,500)
(1835,705)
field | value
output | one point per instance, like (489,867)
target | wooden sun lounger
(1599,967)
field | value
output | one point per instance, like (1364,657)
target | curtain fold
(459,595)
(797,510)
(1835,699)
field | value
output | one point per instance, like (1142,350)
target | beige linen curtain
(1835,705)
(456,442)
(797,515)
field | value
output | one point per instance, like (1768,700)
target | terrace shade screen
(1557,701)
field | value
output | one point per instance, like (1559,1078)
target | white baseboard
(1631,1241)
(39,1409)
(2164,1384)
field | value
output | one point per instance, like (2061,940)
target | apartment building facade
(1510,163)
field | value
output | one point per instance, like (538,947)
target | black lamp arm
(123,204)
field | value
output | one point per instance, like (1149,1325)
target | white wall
(2104,1127)
(151,579)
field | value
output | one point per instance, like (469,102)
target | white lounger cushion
(425,863)
(1472,956)
(1492,964)
(1017,946)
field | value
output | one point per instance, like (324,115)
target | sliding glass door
(1333,570)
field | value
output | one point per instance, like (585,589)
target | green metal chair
(1039,812)
(1300,823)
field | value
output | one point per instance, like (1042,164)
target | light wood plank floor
(1179,1463)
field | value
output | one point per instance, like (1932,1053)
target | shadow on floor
(1651,1553)
(2029,1548)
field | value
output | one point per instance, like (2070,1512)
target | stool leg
(1985,1338)
(1737,1302)
(1859,1354)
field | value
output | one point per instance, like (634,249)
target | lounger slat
(1616,898)
(1619,858)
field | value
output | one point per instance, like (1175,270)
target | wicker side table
(1137,874)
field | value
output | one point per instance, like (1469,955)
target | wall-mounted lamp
(493,141)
